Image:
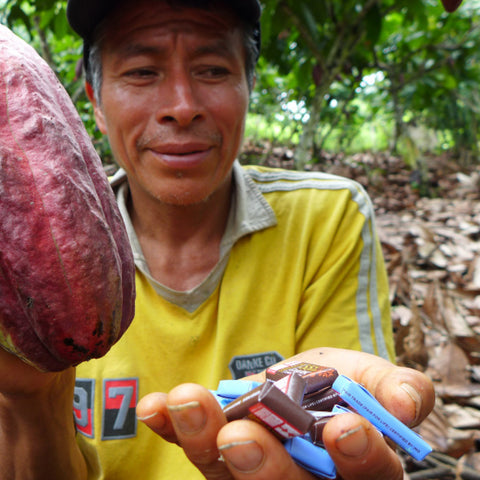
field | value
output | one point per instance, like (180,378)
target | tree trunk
(306,145)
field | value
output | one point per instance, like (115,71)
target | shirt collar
(249,211)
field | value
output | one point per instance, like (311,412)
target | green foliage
(428,61)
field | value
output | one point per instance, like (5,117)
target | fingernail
(147,417)
(353,443)
(246,456)
(189,417)
(417,400)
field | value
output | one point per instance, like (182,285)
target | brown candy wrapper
(293,386)
(324,400)
(273,409)
(316,430)
(317,377)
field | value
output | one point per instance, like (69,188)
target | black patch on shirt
(119,402)
(245,365)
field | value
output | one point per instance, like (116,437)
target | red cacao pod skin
(451,5)
(67,276)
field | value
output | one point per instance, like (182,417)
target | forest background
(386,92)
(335,76)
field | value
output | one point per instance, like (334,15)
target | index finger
(197,418)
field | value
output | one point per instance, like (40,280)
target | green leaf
(17,14)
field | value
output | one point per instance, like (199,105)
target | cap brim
(85,15)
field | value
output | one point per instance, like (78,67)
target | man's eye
(214,72)
(140,73)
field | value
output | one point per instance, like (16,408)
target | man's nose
(180,101)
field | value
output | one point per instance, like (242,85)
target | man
(236,269)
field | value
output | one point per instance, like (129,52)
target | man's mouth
(183,149)
(182,156)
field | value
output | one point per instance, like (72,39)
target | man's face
(174,99)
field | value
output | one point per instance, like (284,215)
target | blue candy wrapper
(235,388)
(368,406)
(310,457)
(229,390)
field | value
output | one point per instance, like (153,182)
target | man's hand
(18,378)
(191,417)
(37,438)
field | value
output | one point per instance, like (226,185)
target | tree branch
(45,48)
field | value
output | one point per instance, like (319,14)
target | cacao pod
(67,275)
(451,5)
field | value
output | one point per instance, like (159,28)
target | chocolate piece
(316,430)
(238,409)
(317,377)
(324,400)
(273,409)
(293,386)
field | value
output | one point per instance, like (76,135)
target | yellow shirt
(300,267)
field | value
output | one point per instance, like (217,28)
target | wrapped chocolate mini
(293,386)
(273,409)
(317,377)
(324,400)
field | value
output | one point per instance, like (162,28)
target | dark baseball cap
(85,15)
